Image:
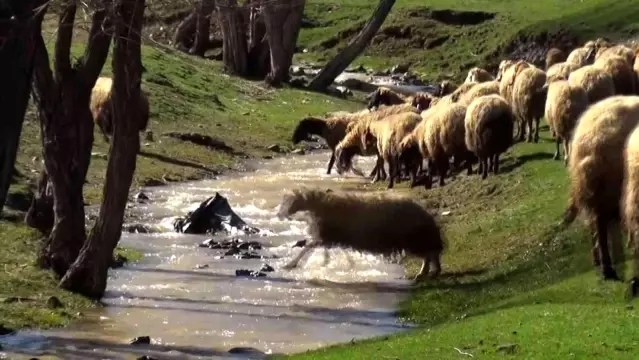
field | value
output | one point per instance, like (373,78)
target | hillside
(516,282)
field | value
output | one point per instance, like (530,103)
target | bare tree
(235,50)
(20,23)
(204,11)
(283,19)
(62,95)
(88,275)
(354,48)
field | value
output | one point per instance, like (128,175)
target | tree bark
(40,215)
(258,49)
(354,48)
(283,20)
(20,23)
(63,96)
(235,52)
(204,10)
(88,275)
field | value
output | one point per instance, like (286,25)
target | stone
(300,243)
(298,151)
(399,69)
(246,351)
(274,148)
(246,272)
(5,331)
(54,303)
(141,197)
(141,340)
(266,268)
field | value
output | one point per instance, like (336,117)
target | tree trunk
(204,10)
(283,20)
(18,30)
(185,33)
(235,53)
(63,98)
(258,49)
(40,215)
(88,275)
(354,48)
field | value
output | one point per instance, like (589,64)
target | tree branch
(63,41)
(97,49)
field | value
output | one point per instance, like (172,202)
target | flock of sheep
(589,98)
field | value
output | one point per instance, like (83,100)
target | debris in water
(300,243)
(267,268)
(246,272)
(141,197)
(141,340)
(246,351)
(146,357)
(213,215)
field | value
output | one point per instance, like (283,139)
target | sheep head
(306,127)
(292,202)
(421,102)
(375,101)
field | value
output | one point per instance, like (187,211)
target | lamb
(478,75)
(555,56)
(623,75)
(596,171)
(529,100)
(444,137)
(100,106)
(489,126)
(560,71)
(630,201)
(375,223)
(597,83)
(564,106)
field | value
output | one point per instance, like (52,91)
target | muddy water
(192,305)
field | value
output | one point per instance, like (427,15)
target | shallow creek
(192,305)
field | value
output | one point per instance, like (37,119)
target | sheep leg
(595,250)
(484,167)
(566,151)
(331,161)
(436,266)
(392,171)
(495,164)
(442,169)
(536,138)
(529,135)
(521,131)
(557,145)
(379,165)
(607,270)
(293,263)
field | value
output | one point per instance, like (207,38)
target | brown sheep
(630,202)
(413,150)
(598,83)
(478,75)
(444,137)
(529,101)
(388,134)
(385,96)
(623,76)
(617,50)
(564,106)
(445,88)
(555,56)
(489,126)
(481,89)
(422,101)
(507,81)
(596,171)
(374,223)
(100,106)
(560,71)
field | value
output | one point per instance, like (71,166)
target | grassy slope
(513,276)
(466,46)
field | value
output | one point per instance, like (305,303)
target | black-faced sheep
(478,75)
(623,76)
(444,137)
(597,83)
(630,202)
(564,106)
(489,126)
(529,101)
(100,106)
(555,56)
(596,171)
(373,223)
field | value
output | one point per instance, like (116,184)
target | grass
(514,281)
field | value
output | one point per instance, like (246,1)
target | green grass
(461,46)
(512,275)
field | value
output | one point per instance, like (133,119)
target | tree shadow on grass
(172,161)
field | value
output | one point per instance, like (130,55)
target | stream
(192,305)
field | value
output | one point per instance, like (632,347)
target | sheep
(564,106)
(385,96)
(617,50)
(622,73)
(374,223)
(560,71)
(478,75)
(598,83)
(488,130)
(413,150)
(596,171)
(630,201)
(481,89)
(100,106)
(503,65)
(387,134)
(445,88)
(458,93)
(422,101)
(444,137)
(582,56)
(509,74)
(529,100)
(555,56)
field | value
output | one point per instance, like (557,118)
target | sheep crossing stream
(192,305)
